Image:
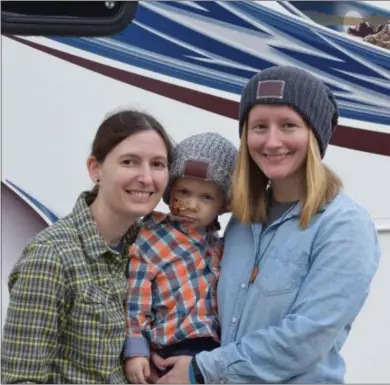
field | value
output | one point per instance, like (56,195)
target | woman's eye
(259,127)
(159,165)
(289,125)
(128,162)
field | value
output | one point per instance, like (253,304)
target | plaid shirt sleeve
(139,305)
(31,329)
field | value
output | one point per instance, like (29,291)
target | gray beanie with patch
(208,156)
(295,87)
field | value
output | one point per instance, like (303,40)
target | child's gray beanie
(208,156)
(308,95)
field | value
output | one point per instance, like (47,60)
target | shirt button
(234,320)
(243,286)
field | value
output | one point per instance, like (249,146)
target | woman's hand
(179,374)
(157,364)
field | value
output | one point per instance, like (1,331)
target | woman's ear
(93,167)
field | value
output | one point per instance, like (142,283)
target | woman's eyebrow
(139,156)
(257,121)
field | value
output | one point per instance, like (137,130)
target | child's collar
(155,218)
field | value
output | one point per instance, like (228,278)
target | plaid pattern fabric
(173,273)
(66,321)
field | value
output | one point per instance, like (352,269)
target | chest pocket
(282,271)
(96,328)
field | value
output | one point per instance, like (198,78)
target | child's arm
(139,317)
(139,304)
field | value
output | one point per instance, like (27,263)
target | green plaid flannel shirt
(66,320)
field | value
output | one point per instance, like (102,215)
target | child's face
(196,202)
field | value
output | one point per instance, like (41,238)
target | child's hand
(137,369)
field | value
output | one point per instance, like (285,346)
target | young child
(175,260)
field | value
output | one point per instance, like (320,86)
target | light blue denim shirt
(289,325)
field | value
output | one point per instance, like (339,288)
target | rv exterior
(186,63)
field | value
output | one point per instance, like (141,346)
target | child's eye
(182,191)
(208,197)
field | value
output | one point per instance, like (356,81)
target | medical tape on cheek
(177,206)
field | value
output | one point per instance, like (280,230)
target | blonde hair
(249,197)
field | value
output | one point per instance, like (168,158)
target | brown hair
(249,187)
(120,125)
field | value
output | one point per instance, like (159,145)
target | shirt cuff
(213,365)
(137,346)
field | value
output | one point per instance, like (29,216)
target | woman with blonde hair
(299,253)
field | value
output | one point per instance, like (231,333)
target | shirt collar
(158,218)
(93,243)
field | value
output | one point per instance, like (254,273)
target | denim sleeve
(344,259)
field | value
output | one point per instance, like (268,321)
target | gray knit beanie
(308,95)
(208,156)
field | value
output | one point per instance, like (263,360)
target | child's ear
(222,210)
(225,207)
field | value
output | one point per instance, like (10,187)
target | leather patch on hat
(195,169)
(270,89)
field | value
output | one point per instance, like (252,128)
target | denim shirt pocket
(282,271)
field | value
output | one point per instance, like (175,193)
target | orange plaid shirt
(172,279)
